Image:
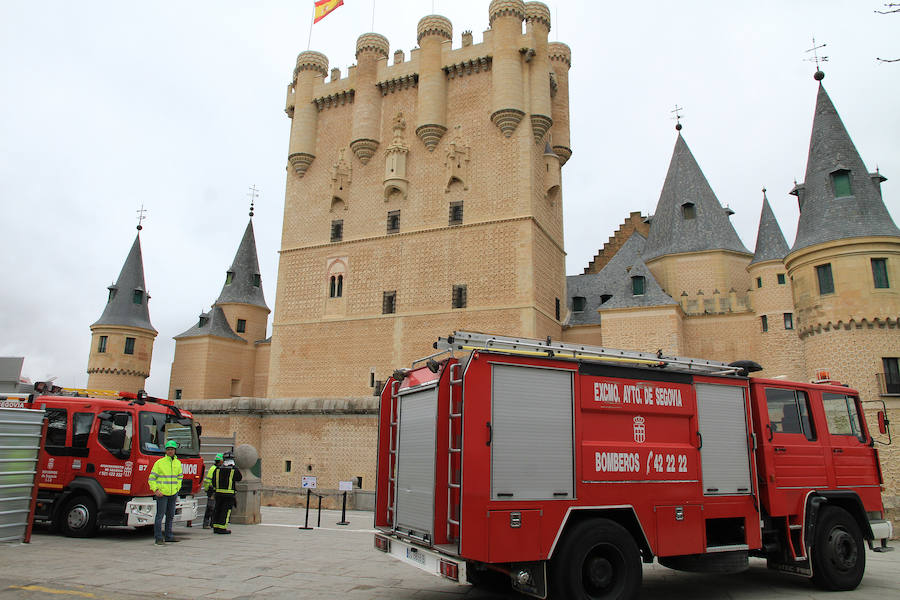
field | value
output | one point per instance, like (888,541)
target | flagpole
(373,16)
(312,18)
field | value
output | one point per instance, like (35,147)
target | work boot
(217,530)
(226,531)
(160,543)
(205,526)
(172,541)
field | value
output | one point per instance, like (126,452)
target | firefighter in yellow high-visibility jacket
(165,483)
(223,481)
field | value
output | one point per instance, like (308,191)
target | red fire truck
(96,460)
(564,467)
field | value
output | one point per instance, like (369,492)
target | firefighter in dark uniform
(210,492)
(223,481)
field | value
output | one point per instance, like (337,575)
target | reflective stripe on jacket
(224,478)
(207,479)
(166,476)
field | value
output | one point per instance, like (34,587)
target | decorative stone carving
(341,173)
(456,165)
(364,149)
(507,120)
(395,161)
(431,134)
(540,125)
(300,162)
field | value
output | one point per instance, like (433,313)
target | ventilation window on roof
(637,285)
(841,181)
(257,280)
(604,298)
(578,303)
(138,297)
(112,294)
(688,211)
(229,277)
(203,321)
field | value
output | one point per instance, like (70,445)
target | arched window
(332,289)
(840,180)
(688,211)
(340,286)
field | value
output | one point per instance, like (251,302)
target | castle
(424,195)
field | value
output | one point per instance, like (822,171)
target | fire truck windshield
(158,428)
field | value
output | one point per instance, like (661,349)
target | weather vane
(141,217)
(817,59)
(677,116)
(253,194)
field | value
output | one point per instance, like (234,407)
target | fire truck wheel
(599,560)
(79,517)
(838,552)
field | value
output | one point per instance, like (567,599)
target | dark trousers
(224,504)
(165,506)
(210,510)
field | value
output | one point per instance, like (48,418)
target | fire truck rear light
(450,570)
(382,544)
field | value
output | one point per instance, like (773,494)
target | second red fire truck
(563,467)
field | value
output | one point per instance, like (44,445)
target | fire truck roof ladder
(467,341)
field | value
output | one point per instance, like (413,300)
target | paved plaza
(276,560)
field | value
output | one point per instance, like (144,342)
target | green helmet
(219,456)
(171,444)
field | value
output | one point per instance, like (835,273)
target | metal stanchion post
(320,511)
(343,520)
(306,521)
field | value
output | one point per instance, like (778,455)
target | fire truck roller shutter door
(725,455)
(532,445)
(415,462)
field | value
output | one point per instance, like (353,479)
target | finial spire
(253,194)
(141,216)
(764,191)
(819,75)
(677,116)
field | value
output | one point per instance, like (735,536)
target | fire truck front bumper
(882,531)
(142,511)
(428,560)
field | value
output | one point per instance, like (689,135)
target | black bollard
(319,524)
(306,521)
(343,520)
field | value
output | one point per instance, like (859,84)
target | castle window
(287,466)
(203,321)
(138,296)
(332,287)
(393,221)
(229,277)
(604,298)
(337,230)
(178,394)
(242,325)
(781,280)
(578,303)
(759,282)
(891,375)
(456,213)
(129,345)
(879,273)
(459,296)
(764,321)
(101,345)
(788,320)
(637,285)
(340,287)
(557,309)
(840,180)
(257,280)
(688,211)
(389,303)
(112,294)
(235,387)
(826,281)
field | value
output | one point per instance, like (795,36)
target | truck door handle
(490,433)
(700,436)
(780,450)
(837,450)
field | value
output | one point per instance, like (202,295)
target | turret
(370,48)
(431,123)
(507,104)
(537,19)
(122,338)
(561,61)
(241,298)
(311,66)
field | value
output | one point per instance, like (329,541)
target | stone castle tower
(122,338)
(423,196)
(226,353)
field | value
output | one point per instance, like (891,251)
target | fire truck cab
(563,467)
(95,463)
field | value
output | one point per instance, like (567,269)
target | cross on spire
(817,59)
(677,116)
(253,194)
(141,216)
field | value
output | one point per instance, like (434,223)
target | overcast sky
(179,107)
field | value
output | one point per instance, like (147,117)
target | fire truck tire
(599,560)
(79,517)
(838,553)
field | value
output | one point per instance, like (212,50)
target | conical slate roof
(770,242)
(245,286)
(823,217)
(124,307)
(214,323)
(670,231)
(614,283)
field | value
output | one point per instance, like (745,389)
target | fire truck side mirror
(883,422)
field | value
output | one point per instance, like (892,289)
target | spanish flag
(324,8)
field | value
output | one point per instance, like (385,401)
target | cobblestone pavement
(276,560)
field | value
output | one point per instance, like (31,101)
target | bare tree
(890,7)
